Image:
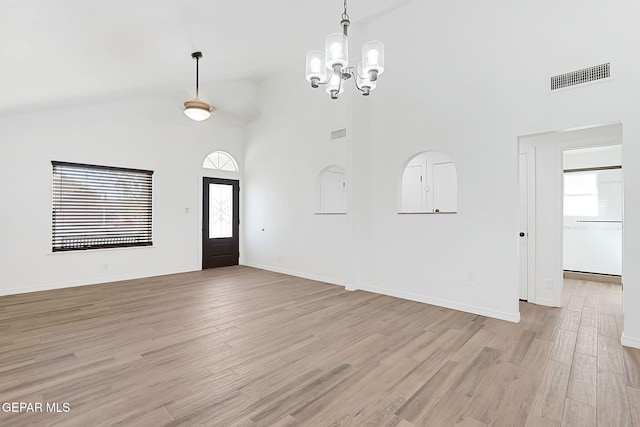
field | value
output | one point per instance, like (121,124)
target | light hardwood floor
(243,347)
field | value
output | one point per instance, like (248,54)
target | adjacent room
(362,212)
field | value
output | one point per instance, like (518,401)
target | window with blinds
(98,207)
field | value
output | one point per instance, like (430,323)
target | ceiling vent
(337,134)
(578,77)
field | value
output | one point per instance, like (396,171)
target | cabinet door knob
(522,234)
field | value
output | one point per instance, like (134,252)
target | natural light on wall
(581,194)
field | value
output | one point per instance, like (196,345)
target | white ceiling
(57,53)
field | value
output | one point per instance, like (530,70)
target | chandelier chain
(345,17)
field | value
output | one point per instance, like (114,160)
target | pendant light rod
(197,56)
(345,20)
(197,109)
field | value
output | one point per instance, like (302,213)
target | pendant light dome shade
(196,109)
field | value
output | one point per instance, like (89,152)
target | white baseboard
(544,301)
(94,281)
(510,317)
(630,341)
(329,280)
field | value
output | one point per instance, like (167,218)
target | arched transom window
(220,160)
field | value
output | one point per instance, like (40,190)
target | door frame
(551,146)
(235,183)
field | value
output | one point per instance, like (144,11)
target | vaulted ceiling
(72,52)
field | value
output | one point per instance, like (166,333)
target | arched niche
(220,160)
(429,184)
(331,191)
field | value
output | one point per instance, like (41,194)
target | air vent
(340,133)
(579,77)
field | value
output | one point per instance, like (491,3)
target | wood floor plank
(587,341)
(515,407)
(550,399)
(631,360)
(564,346)
(607,325)
(430,392)
(245,347)
(634,403)
(589,318)
(583,379)
(570,320)
(613,401)
(610,354)
(578,414)
(536,358)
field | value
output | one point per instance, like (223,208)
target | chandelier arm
(354,71)
(365,91)
(355,81)
(326,81)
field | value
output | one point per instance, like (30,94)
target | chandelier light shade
(316,67)
(196,109)
(336,51)
(331,67)
(373,59)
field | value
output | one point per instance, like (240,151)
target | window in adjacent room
(98,207)
(581,194)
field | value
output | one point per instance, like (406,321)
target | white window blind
(100,207)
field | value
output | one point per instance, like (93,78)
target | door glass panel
(220,211)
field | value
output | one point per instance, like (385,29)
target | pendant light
(196,109)
(331,66)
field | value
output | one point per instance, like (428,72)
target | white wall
(147,134)
(593,157)
(286,148)
(486,69)
(466,79)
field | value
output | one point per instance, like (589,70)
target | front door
(220,222)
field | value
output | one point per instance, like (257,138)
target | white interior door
(445,184)
(523,231)
(412,189)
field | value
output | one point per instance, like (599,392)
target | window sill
(82,251)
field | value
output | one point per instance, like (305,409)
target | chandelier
(197,109)
(331,66)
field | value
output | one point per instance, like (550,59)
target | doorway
(220,222)
(592,222)
(541,230)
